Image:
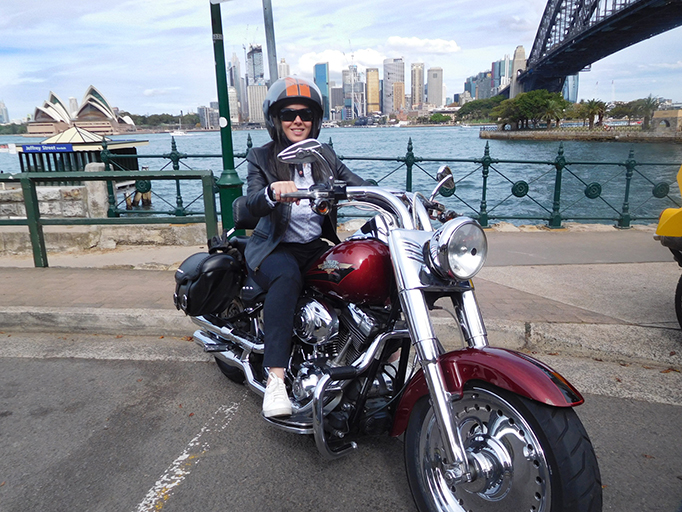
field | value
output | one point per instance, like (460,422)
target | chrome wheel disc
(508,462)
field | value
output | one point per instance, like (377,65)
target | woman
(289,235)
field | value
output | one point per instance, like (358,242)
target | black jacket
(273,222)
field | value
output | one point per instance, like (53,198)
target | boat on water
(179,132)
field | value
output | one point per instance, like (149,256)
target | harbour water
(454,143)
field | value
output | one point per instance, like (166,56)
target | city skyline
(156,57)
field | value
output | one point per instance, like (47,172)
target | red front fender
(506,369)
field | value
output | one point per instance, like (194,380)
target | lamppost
(229,184)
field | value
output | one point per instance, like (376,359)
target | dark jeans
(281,276)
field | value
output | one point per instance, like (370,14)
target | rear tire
(232,373)
(550,462)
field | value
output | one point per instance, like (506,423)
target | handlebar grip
(301,194)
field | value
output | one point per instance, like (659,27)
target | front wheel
(526,456)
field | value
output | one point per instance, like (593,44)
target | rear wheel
(526,456)
(233,309)
(232,373)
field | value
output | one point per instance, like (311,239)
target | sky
(154,56)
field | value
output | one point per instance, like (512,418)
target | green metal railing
(35,222)
(487,187)
(546,197)
(175,159)
(543,190)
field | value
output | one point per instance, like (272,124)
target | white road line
(181,467)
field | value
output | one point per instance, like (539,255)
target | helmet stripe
(292,87)
(305,90)
(296,88)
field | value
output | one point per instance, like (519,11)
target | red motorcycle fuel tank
(358,271)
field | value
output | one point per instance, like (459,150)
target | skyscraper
(283,68)
(321,79)
(373,90)
(256,95)
(353,92)
(234,80)
(398,96)
(255,73)
(435,85)
(4,115)
(417,85)
(394,71)
(570,89)
(501,74)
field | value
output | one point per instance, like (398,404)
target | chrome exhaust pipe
(231,358)
(228,334)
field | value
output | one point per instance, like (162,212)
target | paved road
(106,423)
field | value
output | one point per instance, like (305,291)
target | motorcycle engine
(337,338)
(315,323)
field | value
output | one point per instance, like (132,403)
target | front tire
(528,457)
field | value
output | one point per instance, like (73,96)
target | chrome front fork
(409,267)
(428,350)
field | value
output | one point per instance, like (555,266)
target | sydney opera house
(94,114)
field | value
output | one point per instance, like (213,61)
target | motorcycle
(484,428)
(669,233)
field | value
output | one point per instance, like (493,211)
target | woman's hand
(283,187)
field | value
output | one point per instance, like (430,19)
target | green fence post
(229,184)
(175,156)
(483,217)
(35,227)
(249,143)
(105,155)
(630,164)
(559,163)
(409,162)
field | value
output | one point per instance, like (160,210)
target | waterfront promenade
(585,290)
(105,394)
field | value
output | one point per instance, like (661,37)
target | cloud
(517,24)
(427,46)
(159,92)
(668,65)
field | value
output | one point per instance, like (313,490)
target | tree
(508,113)
(555,109)
(438,118)
(531,108)
(647,108)
(478,110)
(623,110)
(594,108)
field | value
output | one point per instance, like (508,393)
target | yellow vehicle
(669,233)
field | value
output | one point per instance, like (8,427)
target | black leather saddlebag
(206,283)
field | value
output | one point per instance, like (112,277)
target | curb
(152,322)
(603,342)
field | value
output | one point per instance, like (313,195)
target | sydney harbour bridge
(575,33)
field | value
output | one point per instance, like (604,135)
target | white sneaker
(276,401)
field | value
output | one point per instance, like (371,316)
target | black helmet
(286,91)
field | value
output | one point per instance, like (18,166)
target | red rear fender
(506,369)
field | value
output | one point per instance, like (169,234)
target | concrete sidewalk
(607,294)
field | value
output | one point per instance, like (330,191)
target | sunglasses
(290,114)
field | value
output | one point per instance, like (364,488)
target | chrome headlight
(458,249)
